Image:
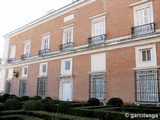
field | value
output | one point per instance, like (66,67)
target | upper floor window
(45,42)
(143,14)
(43,69)
(13,52)
(27,48)
(68,35)
(98,26)
(25,71)
(67,65)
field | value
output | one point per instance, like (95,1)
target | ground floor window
(97,87)
(8,87)
(147,86)
(22,87)
(41,86)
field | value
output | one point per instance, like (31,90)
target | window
(43,69)
(13,52)
(23,87)
(143,14)
(147,86)
(67,65)
(98,26)
(146,55)
(68,35)
(97,86)
(10,73)
(8,87)
(25,71)
(41,86)
(45,42)
(98,62)
(27,48)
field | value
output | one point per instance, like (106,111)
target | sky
(17,13)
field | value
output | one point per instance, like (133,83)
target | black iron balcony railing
(66,46)
(97,39)
(43,52)
(143,29)
(10,60)
(25,56)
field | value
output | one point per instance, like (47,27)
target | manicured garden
(36,108)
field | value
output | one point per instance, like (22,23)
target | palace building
(89,48)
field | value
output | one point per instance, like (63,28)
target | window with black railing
(66,46)
(8,87)
(25,56)
(41,86)
(43,52)
(143,29)
(97,39)
(97,87)
(23,87)
(147,86)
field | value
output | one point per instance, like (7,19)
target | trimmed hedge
(93,102)
(35,98)
(63,107)
(48,105)
(2,107)
(116,102)
(13,104)
(24,98)
(33,105)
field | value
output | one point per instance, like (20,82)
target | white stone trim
(71,25)
(137,3)
(147,68)
(45,34)
(99,15)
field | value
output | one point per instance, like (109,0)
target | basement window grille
(41,87)
(23,87)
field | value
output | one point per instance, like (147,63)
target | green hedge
(40,115)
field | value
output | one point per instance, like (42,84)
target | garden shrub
(13,97)
(93,102)
(49,98)
(2,107)
(116,102)
(33,105)
(1,99)
(5,96)
(35,98)
(13,104)
(24,98)
(48,105)
(63,107)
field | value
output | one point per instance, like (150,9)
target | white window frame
(41,73)
(67,30)
(10,73)
(25,47)
(69,17)
(65,71)
(98,62)
(138,53)
(13,51)
(97,20)
(43,39)
(23,71)
(140,7)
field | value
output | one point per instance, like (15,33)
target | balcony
(66,46)
(43,52)
(143,29)
(10,60)
(25,57)
(97,40)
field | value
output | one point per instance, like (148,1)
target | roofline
(10,34)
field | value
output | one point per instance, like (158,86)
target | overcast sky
(16,13)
